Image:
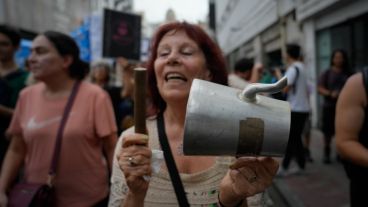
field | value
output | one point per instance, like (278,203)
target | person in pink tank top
(89,135)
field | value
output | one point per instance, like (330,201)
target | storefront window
(350,36)
(323,50)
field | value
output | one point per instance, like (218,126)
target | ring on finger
(252,178)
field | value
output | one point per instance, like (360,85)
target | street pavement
(321,185)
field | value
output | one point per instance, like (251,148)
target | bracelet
(222,205)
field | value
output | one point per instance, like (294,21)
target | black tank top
(363,136)
(357,172)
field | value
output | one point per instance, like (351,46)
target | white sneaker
(281,172)
(296,171)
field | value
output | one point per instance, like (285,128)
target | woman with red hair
(181,52)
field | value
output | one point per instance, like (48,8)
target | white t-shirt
(235,81)
(298,95)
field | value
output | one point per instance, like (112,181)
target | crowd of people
(343,116)
(103,162)
(180,53)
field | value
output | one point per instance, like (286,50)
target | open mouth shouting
(174,76)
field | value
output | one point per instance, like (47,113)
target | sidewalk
(320,186)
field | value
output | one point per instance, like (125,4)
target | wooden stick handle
(140,100)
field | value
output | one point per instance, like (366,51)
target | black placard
(122,35)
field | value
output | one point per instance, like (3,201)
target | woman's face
(44,60)
(338,59)
(179,60)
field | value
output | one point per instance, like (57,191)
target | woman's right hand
(135,162)
(3,200)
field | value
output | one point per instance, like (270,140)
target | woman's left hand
(247,177)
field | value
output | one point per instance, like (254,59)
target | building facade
(37,16)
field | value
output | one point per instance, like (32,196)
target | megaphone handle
(140,100)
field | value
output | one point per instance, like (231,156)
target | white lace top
(201,188)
